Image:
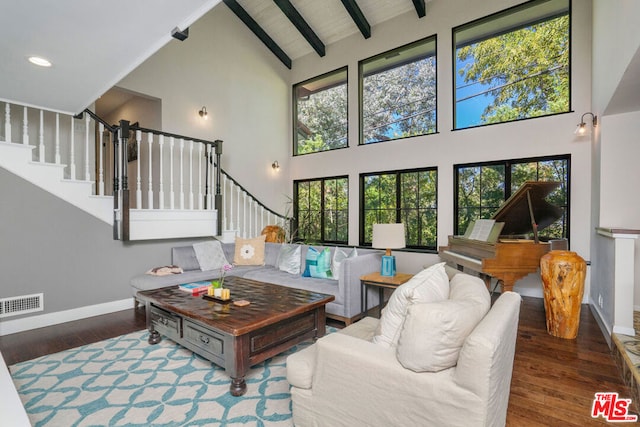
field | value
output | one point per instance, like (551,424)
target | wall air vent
(15,306)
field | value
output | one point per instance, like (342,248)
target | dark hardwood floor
(554,380)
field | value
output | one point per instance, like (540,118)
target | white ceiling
(92,44)
(327,18)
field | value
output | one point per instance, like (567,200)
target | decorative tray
(216,299)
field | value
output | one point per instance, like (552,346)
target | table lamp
(388,236)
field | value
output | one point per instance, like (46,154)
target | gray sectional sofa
(347,290)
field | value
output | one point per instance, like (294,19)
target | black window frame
(508,190)
(296,213)
(497,15)
(393,52)
(398,208)
(294,104)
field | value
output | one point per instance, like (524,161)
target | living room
(248,93)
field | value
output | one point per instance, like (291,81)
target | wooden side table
(380,282)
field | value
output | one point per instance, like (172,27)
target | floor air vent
(21,305)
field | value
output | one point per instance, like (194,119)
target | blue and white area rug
(124,381)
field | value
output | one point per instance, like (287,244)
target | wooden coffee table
(234,337)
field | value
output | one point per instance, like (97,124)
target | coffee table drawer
(165,323)
(204,339)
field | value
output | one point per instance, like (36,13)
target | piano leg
(506,283)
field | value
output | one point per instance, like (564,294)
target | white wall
(528,138)
(223,66)
(615,43)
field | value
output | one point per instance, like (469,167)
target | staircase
(177,189)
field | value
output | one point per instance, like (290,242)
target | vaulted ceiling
(294,28)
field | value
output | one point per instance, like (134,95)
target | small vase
(563,274)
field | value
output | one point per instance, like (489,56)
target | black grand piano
(510,257)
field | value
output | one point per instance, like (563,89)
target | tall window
(513,65)
(482,187)
(408,196)
(320,113)
(398,93)
(321,213)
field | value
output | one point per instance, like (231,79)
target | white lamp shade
(388,236)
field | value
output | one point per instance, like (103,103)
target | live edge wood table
(235,337)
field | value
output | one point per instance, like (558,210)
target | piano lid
(515,211)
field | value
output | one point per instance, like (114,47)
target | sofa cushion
(249,251)
(339,255)
(433,333)
(210,255)
(318,263)
(185,257)
(289,259)
(429,285)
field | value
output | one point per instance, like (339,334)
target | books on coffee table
(195,288)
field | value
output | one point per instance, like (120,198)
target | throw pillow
(317,263)
(430,285)
(249,251)
(340,255)
(210,255)
(433,334)
(289,259)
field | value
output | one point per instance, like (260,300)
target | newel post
(218,195)
(124,205)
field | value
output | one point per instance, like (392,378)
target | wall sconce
(582,126)
(275,166)
(203,113)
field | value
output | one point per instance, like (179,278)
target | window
(321,213)
(320,113)
(409,197)
(482,187)
(513,65)
(398,93)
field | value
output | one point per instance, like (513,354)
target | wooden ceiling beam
(298,21)
(258,31)
(421,9)
(358,17)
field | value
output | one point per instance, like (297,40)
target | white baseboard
(34,322)
(605,328)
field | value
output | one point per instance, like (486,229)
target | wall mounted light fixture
(275,166)
(203,113)
(582,126)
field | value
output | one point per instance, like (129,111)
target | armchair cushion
(430,285)
(433,333)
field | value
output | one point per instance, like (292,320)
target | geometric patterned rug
(124,381)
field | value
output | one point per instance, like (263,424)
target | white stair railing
(71,142)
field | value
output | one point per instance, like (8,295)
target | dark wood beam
(298,21)
(258,31)
(420,8)
(358,17)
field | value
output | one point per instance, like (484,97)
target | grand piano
(508,256)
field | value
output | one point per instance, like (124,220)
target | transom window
(513,65)
(321,210)
(398,93)
(320,113)
(408,196)
(481,188)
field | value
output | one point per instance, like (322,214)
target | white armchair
(344,379)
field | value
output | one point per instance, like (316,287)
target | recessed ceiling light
(39,61)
